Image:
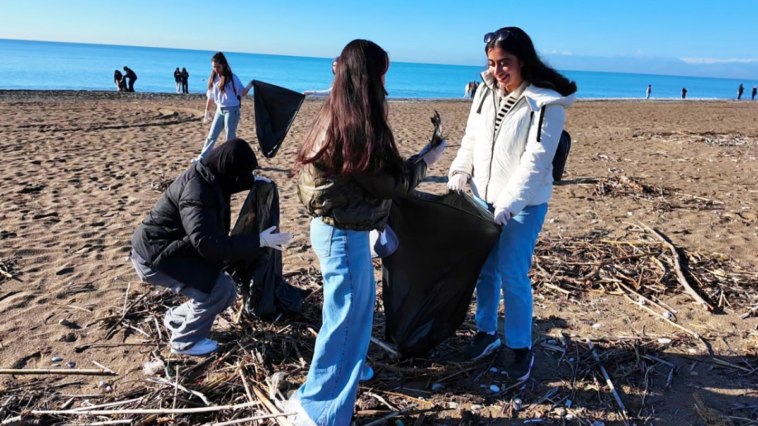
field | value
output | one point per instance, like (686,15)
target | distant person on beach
(474,86)
(119,81)
(185,81)
(130,77)
(739,91)
(226,91)
(506,156)
(326,92)
(178,80)
(649,91)
(467,91)
(184,243)
(684,93)
(755,91)
(349,170)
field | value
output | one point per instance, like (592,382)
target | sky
(581,34)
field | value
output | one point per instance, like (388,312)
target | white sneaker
(203,347)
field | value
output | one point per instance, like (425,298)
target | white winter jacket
(514,168)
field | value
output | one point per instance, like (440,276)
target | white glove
(435,154)
(207,117)
(261,178)
(274,240)
(458,182)
(502,216)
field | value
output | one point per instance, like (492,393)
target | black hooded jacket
(186,235)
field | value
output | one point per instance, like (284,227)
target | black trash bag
(275,110)
(264,290)
(429,281)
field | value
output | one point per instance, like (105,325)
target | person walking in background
(185,81)
(349,170)
(649,91)
(467,91)
(323,93)
(684,93)
(130,77)
(178,80)
(739,91)
(755,91)
(226,91)
(119,81)
(474,86)
(507,152)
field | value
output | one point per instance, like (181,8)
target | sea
(37,65)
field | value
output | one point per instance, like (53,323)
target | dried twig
(609,382)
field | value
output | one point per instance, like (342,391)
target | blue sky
(441,31)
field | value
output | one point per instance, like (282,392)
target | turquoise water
(72,66)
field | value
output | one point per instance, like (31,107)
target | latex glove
(458,182)
(502,216)
(207,117)
(274,240)
(434,155)
(261,178)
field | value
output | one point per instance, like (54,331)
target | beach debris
(57,359)
(569,417)
(493,370)
(517,404)
(153,368)
(664,340)
(597,325)
(477,407)
(495,388)
(438,386)
(71,364)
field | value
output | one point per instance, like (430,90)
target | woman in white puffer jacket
(513,130)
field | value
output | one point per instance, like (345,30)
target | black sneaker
(481,345)
(521,367)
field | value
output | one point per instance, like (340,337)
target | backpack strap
(481,104)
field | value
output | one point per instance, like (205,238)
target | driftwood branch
(678,267)
(609,381)
(57,371)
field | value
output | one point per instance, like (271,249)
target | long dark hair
(117,75)
(351,134)
(226,74)
(535,71)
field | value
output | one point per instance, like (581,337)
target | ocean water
(72,66)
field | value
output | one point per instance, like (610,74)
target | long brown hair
(535,71)
(226,75)
(350,134)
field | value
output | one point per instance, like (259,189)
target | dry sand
(76,176)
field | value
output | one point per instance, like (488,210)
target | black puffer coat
(186,235)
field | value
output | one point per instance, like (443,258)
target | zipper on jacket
(494,139)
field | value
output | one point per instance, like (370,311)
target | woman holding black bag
(507,152)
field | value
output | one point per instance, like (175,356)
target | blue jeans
(507,269)
(226,117)
(328,395)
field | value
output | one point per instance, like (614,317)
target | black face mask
(231,161)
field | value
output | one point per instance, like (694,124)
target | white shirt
(233,89)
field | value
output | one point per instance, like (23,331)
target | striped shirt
(506,103)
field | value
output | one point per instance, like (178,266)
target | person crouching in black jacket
(184,242)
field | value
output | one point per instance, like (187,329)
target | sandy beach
(81,170)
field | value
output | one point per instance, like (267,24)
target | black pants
(185,86)
(130,84)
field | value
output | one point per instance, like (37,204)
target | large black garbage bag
(260,282)
(429,281)
(275,110)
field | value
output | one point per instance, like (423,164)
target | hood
(536,97)
(230,161)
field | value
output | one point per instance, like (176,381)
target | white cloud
(566,52)
(700,61)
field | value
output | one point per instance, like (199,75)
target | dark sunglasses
(498,36)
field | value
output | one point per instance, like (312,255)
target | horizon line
(400,62)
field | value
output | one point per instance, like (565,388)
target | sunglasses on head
(497,36)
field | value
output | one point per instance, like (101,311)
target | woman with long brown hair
(225,90)
(349,170)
